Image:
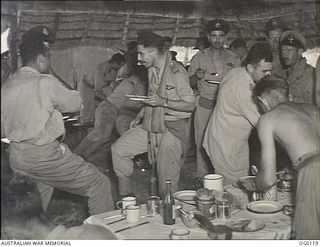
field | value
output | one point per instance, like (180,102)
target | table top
(277,225)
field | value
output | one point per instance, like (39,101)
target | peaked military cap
(218,25)
(41,33)
(293,38)
(149,38)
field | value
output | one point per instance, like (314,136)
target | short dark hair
(271,82)
(20,200)
(259,51)
(29,51)
(117,58)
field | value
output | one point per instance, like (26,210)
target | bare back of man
(295,127)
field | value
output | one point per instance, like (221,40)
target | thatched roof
(106,24)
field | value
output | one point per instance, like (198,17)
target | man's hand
(249,184)
(155,100)
(134,123)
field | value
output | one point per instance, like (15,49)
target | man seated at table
(32,103)
(165,118)
(295,127)
(116,112)
(22,216)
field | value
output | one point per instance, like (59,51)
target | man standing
(299,74)
(207,69)
(164,129)
(226,138)
(274,29)
(31,105)
(296,127)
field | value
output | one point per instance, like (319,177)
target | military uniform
(135,140)
(301,76)
(31,107)
(107,113)
(208,90)
(270,26)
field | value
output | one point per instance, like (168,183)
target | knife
(129,227)
(112,222)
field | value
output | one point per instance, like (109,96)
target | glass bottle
(168,206)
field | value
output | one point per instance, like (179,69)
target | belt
(207,103)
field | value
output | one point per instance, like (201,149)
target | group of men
(229,85)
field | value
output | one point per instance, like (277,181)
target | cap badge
(291,38)
(218,25)
(45,31)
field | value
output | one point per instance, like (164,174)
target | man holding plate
(164,128)
(207,69)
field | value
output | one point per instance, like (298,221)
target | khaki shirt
(235,114)
(131,85)
(104,78)
(302,82)
(178,88)
(205,61)
(31,106)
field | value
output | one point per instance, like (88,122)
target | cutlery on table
(130,227)
(110,223)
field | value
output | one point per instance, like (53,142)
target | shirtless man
(295,127)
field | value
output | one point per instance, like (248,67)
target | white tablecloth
(277,225)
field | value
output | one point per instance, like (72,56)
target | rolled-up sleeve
(63,99)
(183,89)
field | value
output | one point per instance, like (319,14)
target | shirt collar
(29,69)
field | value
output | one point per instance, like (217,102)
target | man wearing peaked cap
(218,25)
(293,38)
(38,100)
(300,75)
(274,28)
(42,33)
(148,38)
(161,127)
(206,71)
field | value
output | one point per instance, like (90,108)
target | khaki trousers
(54,165)
(134,142)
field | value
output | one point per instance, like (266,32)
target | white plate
(188,196)
(213,82)
(137,99)
(137,96)
(249,225)
(5,140)
(264,207)
(71,119)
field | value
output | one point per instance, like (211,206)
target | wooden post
(125,29)
(85,30)
(56,24)
(14,35)
(176,30)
